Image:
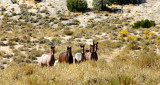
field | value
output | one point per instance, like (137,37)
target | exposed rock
(5,2)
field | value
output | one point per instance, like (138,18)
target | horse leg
(75,61)
(48,64)
(79,61)
(42,65)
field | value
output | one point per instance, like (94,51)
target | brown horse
(79,57)
(48,59)
(88,55)
(92,53)
(66,56)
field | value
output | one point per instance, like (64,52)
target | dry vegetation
(126,56)
(123,70)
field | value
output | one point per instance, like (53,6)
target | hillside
(126,55)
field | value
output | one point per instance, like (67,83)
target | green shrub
(137,24)
(99,4)
(76,5)
(144,23)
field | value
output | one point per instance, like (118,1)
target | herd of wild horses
(49,60)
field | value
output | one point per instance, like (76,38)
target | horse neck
(92,51)
(69,53)
(82,51)
(52,52)
(95,50)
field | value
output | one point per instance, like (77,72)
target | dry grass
(121,71)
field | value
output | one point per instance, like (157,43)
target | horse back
(63,57)
(78,56)
(47,58)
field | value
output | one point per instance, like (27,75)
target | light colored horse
(48,59)
(79,57)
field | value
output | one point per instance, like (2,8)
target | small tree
(100,4)
(77,5)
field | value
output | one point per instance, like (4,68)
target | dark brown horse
(66,56)
(48,59)
(95,49)
(92,53)
(79,57)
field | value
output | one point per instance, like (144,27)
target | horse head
(91,48)
(52,50)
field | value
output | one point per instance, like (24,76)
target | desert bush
(123,33)
(41,22)
(3,39)
(43,41)
(44,11)
(77,5)
(2,44)
(24,48)
(2,53)
(14,1)
(11,43)
(33,20)
(18,59)
(144,23)
(1,67)
(32,54)
(68,32)
(39,16)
